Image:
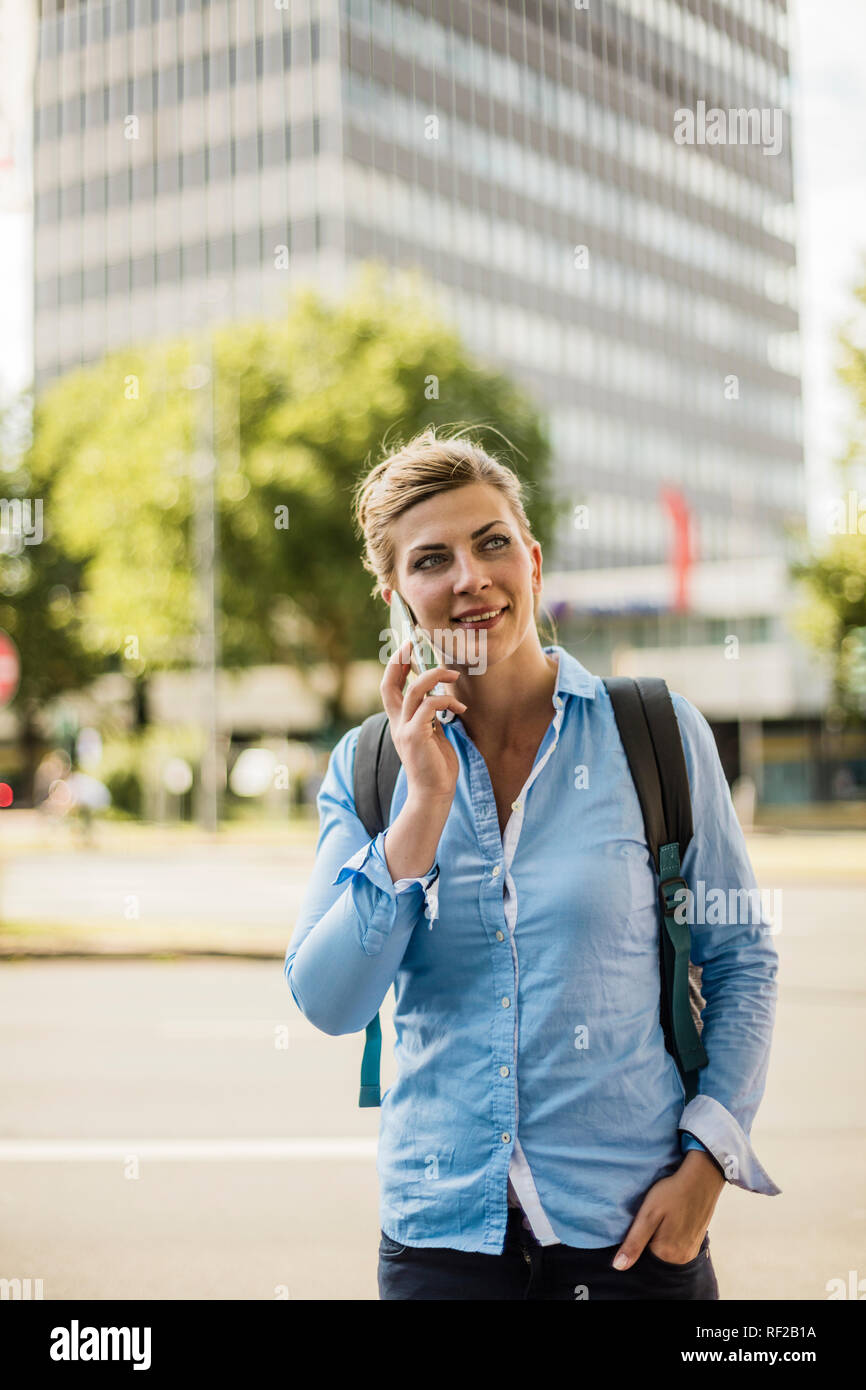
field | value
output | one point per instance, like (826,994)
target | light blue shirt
(553,1030)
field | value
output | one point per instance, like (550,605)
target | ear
(386,595)
(537,560)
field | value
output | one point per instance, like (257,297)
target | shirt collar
(571,677)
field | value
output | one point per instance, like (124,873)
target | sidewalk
(244,903)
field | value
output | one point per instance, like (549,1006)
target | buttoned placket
(519,1171)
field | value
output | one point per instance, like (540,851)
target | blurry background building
(193,160)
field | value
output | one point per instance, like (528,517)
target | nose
(470,577)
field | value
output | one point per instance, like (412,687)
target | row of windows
(187,169)
(708,42)
(576,113)
(419,215)
(767,17)
(256,246)
(617,444)
(395,24)
(176,82)
(636,527)
(531,174)
(672,630)
(95,20)
(508,332)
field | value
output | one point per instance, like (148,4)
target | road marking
(112,1150)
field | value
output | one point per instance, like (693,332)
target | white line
(114,1150)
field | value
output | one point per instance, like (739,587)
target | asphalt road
(160,1137)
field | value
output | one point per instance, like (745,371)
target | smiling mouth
(482,619)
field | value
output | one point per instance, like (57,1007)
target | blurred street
(178,1062)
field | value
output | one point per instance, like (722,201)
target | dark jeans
(526,1269)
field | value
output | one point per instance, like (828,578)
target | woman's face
(462,552)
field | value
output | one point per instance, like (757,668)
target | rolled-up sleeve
(732,940)
(355,922)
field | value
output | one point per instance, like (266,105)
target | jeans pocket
(702,1254)
(390,1247)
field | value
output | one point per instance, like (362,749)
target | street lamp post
(207,572)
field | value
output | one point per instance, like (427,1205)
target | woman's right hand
(431,763)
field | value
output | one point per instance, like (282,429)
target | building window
(94,281)
(220,253)
(247,248)
(219,161)
(167,175)
(142,181)
(118,188)
(70,287)
(168,266)
(245,154)
(192,169)
(143,272)
(118,277)
(193,260)
(94,194)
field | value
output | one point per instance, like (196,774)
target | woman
(535,1143)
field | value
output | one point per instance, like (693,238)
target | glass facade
(522,154)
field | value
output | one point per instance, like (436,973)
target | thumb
(640,1232)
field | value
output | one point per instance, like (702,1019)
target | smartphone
(424,656)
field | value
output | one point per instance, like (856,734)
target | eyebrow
(439,546)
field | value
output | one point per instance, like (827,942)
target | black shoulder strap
(374,777)
(650,735)
(377,764)
(651,738)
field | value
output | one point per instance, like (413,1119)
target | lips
(479,622)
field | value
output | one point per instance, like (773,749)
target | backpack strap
(377,764)
(650,735)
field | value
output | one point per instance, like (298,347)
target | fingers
(640,1233)
(427,707)
(403,708)
(391,685)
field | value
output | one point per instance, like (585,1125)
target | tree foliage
(834,621)
(302,404)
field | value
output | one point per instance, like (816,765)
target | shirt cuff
(429,882)
(375,892)
(708,1122)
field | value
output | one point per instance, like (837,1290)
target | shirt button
(557,701)
(500,936)
(515,805)
(505,1001)
(495,870)
(506,1137)
(503,1071)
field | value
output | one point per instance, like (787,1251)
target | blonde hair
(425,466)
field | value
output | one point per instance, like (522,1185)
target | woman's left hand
(675,1213)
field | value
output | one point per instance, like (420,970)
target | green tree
(834,574)
(302,404)
(39,583)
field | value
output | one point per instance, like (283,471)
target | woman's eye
(422,563)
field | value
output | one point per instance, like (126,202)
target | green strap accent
(689,1049)
(370,1065)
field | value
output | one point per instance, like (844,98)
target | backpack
(650,735)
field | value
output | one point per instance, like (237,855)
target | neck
(508,698)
